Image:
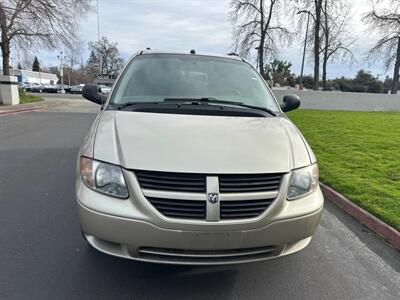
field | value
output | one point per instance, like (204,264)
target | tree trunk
(326,47)
(396,75)
(5,50)
(261,59)
(262,41)
(318,7)
(324,67)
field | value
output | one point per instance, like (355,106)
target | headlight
(102,177)
(303,182)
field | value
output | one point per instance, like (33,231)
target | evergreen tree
(36,65)
(93,65)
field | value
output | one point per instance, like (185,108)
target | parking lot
(43,255)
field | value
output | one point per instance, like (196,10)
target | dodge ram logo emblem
(213,198)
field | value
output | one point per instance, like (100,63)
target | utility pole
(98,21)
(98,36)
(61,57)
(304,50)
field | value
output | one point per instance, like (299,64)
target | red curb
(372,222)
(6,112)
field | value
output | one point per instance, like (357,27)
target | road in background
(68,103)
(43,255)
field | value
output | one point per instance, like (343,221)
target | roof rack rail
(236,55)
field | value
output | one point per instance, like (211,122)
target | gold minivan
(193,161)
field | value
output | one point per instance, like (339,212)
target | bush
(25,98)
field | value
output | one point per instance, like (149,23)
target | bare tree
(38,22)
(314,9)
(257,25)
(385,20)
(74,57)
(104,57)
(336,35)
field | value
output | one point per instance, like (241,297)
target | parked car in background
(36,88)
(67,88)
(104,89)
(23,86)
(52,88)
(77,89)
(193,161)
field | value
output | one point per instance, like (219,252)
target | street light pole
(61,57)
(305,47)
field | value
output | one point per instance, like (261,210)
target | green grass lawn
(25,98)
(358,155)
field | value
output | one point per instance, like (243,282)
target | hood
(199,144)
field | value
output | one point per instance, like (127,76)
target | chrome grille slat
(169,182)
(177,208)
(258,183)
(184,215)
(249,177)
(174,202)
(246,203)
(243,209)
(246,189)
(225,216)
(169,176)
(172,188)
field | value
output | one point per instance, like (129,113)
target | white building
(28,76)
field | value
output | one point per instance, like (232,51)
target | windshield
(155,77)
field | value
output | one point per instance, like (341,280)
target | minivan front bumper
(286,229)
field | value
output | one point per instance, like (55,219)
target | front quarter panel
(87,147)
(301,152)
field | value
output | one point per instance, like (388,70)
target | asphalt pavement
(43,255)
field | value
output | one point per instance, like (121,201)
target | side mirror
(290,102)
(91,93)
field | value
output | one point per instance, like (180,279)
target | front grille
(249,183)
(205,256)
(182,209)
(179,182)
(184,195)
(243,209)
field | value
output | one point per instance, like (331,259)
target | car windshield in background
(155,77)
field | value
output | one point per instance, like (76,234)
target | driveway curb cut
(7,112)
(373,223)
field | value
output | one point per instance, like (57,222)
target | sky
(203,25)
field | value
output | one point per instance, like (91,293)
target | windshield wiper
(216,101)
(129,104)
